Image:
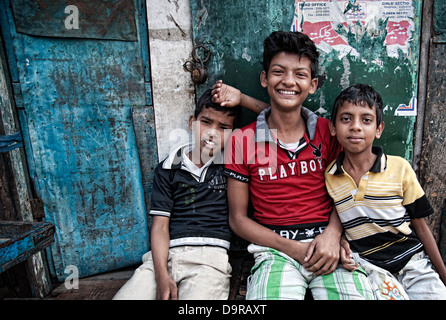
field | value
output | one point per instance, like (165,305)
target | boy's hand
(225,95)
(297,250)
(347,256)
(166,289)
(323,254)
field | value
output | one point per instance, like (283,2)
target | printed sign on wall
(328,23)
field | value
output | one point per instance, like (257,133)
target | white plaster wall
(170,38)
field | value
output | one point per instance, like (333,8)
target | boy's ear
(313,86)
(191,123)
(332,128)
(263,79)
(379,130)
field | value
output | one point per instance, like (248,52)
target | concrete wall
(170,38)
(433,160)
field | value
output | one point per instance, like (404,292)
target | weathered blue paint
(20,240)
(77,96)
(143,119)
(10,142)
(111,19)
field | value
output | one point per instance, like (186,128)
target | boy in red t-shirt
(278,162)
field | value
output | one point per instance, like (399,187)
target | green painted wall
(234,32)
(439,21)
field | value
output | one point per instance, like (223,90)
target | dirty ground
(104,286)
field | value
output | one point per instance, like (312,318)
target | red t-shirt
(285,189)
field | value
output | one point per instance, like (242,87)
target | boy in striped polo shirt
(381,204)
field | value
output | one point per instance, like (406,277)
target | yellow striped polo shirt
(376,214)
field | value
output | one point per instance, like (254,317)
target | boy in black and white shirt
(190,234)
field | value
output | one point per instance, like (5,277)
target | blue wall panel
(77,99)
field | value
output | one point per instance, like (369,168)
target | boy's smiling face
(211,130)
(356,127)
(288,80)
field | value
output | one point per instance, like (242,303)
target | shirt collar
(263,133)
(379,165)
(177,157)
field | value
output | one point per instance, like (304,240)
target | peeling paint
(353,50)
(113,20)
(345,79)
(77,95)
(328,22)
(201,16)
(245,55)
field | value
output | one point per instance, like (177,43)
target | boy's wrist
(160,275)
(333,231)
(243,99)
(294,249)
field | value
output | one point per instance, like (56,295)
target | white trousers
(416,281)
(200,272)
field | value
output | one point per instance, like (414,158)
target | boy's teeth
(287,92)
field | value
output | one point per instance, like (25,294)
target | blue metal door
(78,72)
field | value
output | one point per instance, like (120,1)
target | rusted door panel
(77,94)
(110,19)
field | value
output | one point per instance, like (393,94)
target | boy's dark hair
(290,42)
(360,94)
(205,101)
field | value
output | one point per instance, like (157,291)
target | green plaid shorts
(276,276)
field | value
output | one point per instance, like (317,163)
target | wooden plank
(92,290)
(99,287)
(22,202)
(19,240)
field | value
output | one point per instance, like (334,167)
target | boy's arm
(430,246)
(165,287)
(250,230)
(324,251)
(228,96)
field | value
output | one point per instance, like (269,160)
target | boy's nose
(211,133)
(355,125)
(288,78)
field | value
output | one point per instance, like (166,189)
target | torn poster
(327,22)
(410,110)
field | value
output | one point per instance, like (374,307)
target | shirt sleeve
(162,193)
(415,201)
(235,156)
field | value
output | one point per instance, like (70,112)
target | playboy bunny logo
(317,151)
